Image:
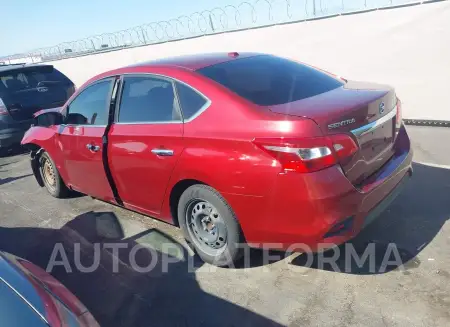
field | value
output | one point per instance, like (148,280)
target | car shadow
(259,257)
(8,163)
(409,225)
(11,179)
(167,295)
(75,195)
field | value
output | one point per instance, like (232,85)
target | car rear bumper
(321,209)
(384,204)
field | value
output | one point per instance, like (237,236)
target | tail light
(3,110)
(308,154)
(398,117)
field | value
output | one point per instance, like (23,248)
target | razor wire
(245,15)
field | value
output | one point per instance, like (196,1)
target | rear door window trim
(144,75)
(199,111)
(179,107)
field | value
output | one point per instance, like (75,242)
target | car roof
(189,62)
(197,61)
(11,67)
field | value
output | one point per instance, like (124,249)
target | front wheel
(210,225)
(51,177)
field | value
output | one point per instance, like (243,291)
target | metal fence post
(211,23)
(143,35)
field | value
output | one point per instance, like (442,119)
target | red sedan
(233,148)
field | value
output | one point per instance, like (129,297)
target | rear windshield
(268,80)
(19,79)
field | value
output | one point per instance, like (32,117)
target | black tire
(57,189)
(233,249)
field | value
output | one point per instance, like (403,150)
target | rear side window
(268,80)
(191,102)
(90,107)
(146,100)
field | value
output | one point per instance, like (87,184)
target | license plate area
(377,141)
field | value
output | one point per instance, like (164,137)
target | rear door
(81,139)
(145,141)
(27,89)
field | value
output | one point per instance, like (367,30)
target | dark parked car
(231,148)
(25,89)
(31,297)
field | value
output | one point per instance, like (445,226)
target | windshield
(267,80)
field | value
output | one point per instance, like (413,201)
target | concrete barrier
(407,47)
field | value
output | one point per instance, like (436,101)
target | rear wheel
(51,177)
(210,225)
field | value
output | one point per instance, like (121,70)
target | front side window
(191,102)
(146,100)
(91,106)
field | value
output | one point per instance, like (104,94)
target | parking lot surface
(284,292)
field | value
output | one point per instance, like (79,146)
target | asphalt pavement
(285,292)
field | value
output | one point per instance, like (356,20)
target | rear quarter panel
(219,149)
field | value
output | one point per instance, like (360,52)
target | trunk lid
(366,111)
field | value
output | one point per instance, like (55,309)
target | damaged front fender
(39,140)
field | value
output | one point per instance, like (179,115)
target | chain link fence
(247,14)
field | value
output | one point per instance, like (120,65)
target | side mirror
(47,119)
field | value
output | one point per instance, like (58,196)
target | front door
(145,141)
(81,140)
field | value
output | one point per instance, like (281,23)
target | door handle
(162,152)
(93,148)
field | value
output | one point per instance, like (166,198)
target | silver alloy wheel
(206,227)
